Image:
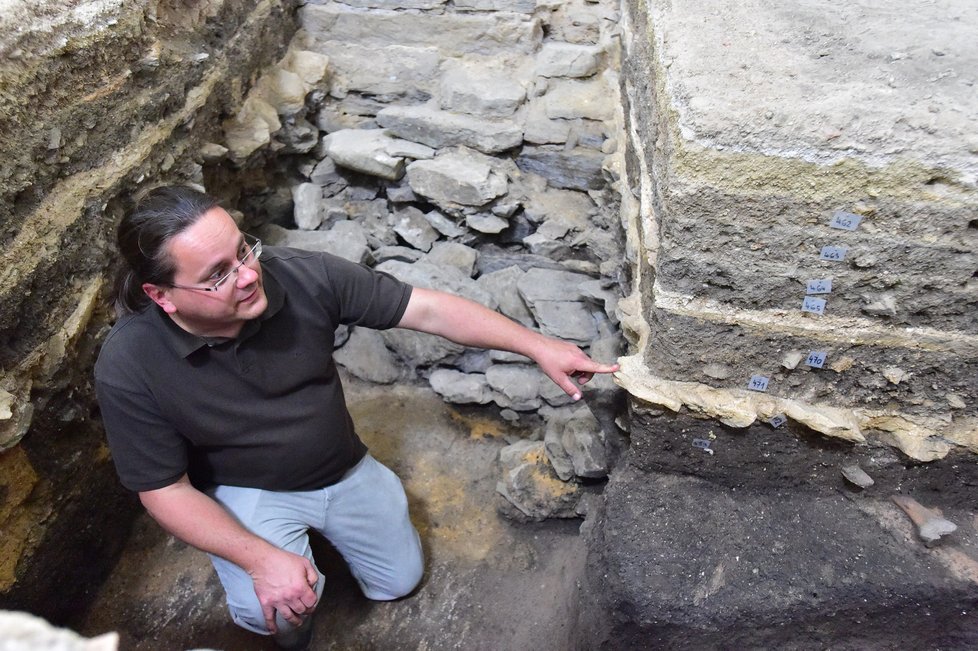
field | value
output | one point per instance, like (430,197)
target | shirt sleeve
(366,297)
(147,451)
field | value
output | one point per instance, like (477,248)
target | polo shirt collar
(185,343)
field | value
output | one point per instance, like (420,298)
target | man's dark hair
(159,215)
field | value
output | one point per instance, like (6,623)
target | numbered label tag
(813,305)
(819,286)
(833,253)
(845,220)
(702,444)
(778,421)
(758,383)
(816,358)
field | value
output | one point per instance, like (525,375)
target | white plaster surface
(822,80)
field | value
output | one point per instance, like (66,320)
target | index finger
(594,367)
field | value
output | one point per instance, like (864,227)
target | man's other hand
(285,583)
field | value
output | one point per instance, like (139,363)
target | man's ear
(160,296)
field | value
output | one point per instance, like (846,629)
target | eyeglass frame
(253,253)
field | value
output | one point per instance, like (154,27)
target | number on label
(816,358)
(833,253)
(845,220)
(819,286)
(813,305)
(778,421)
(757,383)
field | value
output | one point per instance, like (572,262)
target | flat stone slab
(824,81)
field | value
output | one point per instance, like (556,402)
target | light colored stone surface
(365,356)
(480,89)
(436,128)
(453,35)
(457,178)
(24,632)
(366,151)
(568,60)
(869,82)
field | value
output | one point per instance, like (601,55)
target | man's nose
(246,276)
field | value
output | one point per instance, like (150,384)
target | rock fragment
(931,524)
(857,476)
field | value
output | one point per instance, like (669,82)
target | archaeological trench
(766,212)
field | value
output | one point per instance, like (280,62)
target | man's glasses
(250,252)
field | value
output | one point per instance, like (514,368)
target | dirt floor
(489,583)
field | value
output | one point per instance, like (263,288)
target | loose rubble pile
(467,154)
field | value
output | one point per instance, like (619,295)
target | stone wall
(469,156)
(95,98)
(750,129)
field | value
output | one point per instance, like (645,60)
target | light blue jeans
(364,515)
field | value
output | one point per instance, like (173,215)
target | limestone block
(402,253)
(518,385)
(515,6)
(743,341)
(444,225)
(307,213)
(531,486)
(283,89)
(449,279)
(568,320)
(474,88)
(581,22)
(454,254)
(421,349)
(326,176)
(572,99)
(566,206)
(486,223)
(551,285)
(457,178)
(309,66)
(395,70)
(439,129)
(345,239)
(770,248)
(251,128)
(575,444)
(365,356)
(394,4)
(23,632)
(461,388)
(557,59)
(577,169)
(502,285)
(451,34)
(414,229)
(366,151)
(539,128)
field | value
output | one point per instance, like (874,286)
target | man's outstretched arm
(471,324)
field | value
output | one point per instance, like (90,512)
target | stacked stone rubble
(467,156)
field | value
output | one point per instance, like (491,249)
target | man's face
(202,254)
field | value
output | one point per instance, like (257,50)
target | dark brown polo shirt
(263,410)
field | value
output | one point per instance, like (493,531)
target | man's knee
(396,587)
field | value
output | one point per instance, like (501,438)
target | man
(224,410)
